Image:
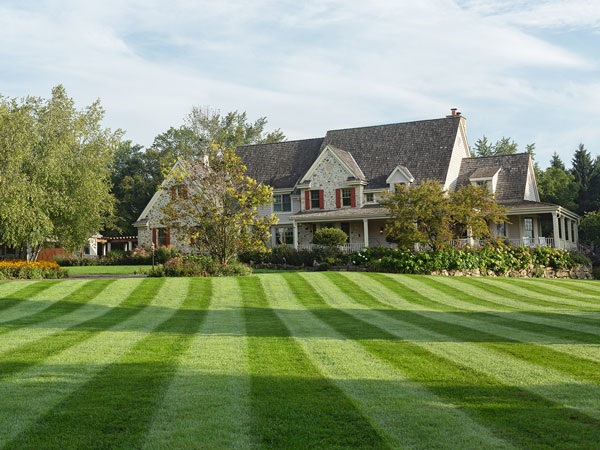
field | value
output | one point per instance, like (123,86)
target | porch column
(366,231)
(295,234)
(576,232)
(108,247)
(563,231)
(535,228)
(555,229)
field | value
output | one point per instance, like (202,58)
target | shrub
(18,269)
(498,258)
(330,237)
(198,266)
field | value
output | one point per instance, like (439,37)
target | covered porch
(541,225)
(364,227)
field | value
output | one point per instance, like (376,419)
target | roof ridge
(390,124)
(496,156)
(280,142)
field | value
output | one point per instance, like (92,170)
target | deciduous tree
(54,172)
(216,207)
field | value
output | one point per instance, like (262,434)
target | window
(284,235)
(501,228)
(369,197)
(161,237)
(314,200)
(282,203)
(346,197)
(528,227)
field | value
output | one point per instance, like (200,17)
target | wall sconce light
(380,230)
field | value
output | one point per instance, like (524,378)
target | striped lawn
(300,360)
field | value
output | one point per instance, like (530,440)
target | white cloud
(308,66)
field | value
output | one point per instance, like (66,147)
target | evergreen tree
(585,175)
(556,162)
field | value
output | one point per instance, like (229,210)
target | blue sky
(525,69)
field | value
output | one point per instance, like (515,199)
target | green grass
(104,270)
(300,360)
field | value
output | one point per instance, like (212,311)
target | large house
(338,180)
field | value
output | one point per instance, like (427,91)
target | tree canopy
(138,173)
(54,172)
(426,214)
(216,210)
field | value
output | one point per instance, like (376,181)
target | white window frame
(279,203)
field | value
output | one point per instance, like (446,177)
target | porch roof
(367,212)
(529,207)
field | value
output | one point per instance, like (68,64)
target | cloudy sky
(525,69)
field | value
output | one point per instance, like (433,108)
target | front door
(346,229)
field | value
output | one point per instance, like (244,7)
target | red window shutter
(307,199)
(353,197)
(168,237)
(173,192)
(321,200)
(192,242)
(185,190)
(338,198)
(154,236)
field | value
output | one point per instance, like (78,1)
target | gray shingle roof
(485,172)
(424,147)
(349,161)
(280,164)
(512,179)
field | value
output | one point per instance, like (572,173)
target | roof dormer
(485,176)
(400,175)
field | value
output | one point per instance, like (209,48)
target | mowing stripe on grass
(453,292)
(587,286)
(530,294)
(12,294)
(418,284)
(560,285)
(459,327)
(500,405)
(405,412)
(410,295)
(293,405)
(114,409)
(35,391)
(18,297)
(66,305)
(499,292)
(108,298)
(386,295)
(580,366)
(32,353)
(555,386)
(554,292)
(208,402)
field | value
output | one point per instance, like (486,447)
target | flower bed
(18,269)
(198,266)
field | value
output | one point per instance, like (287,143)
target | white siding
(459,152)
(530,190)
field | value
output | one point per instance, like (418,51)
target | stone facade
(328,176)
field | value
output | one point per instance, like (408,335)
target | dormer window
(485,177)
